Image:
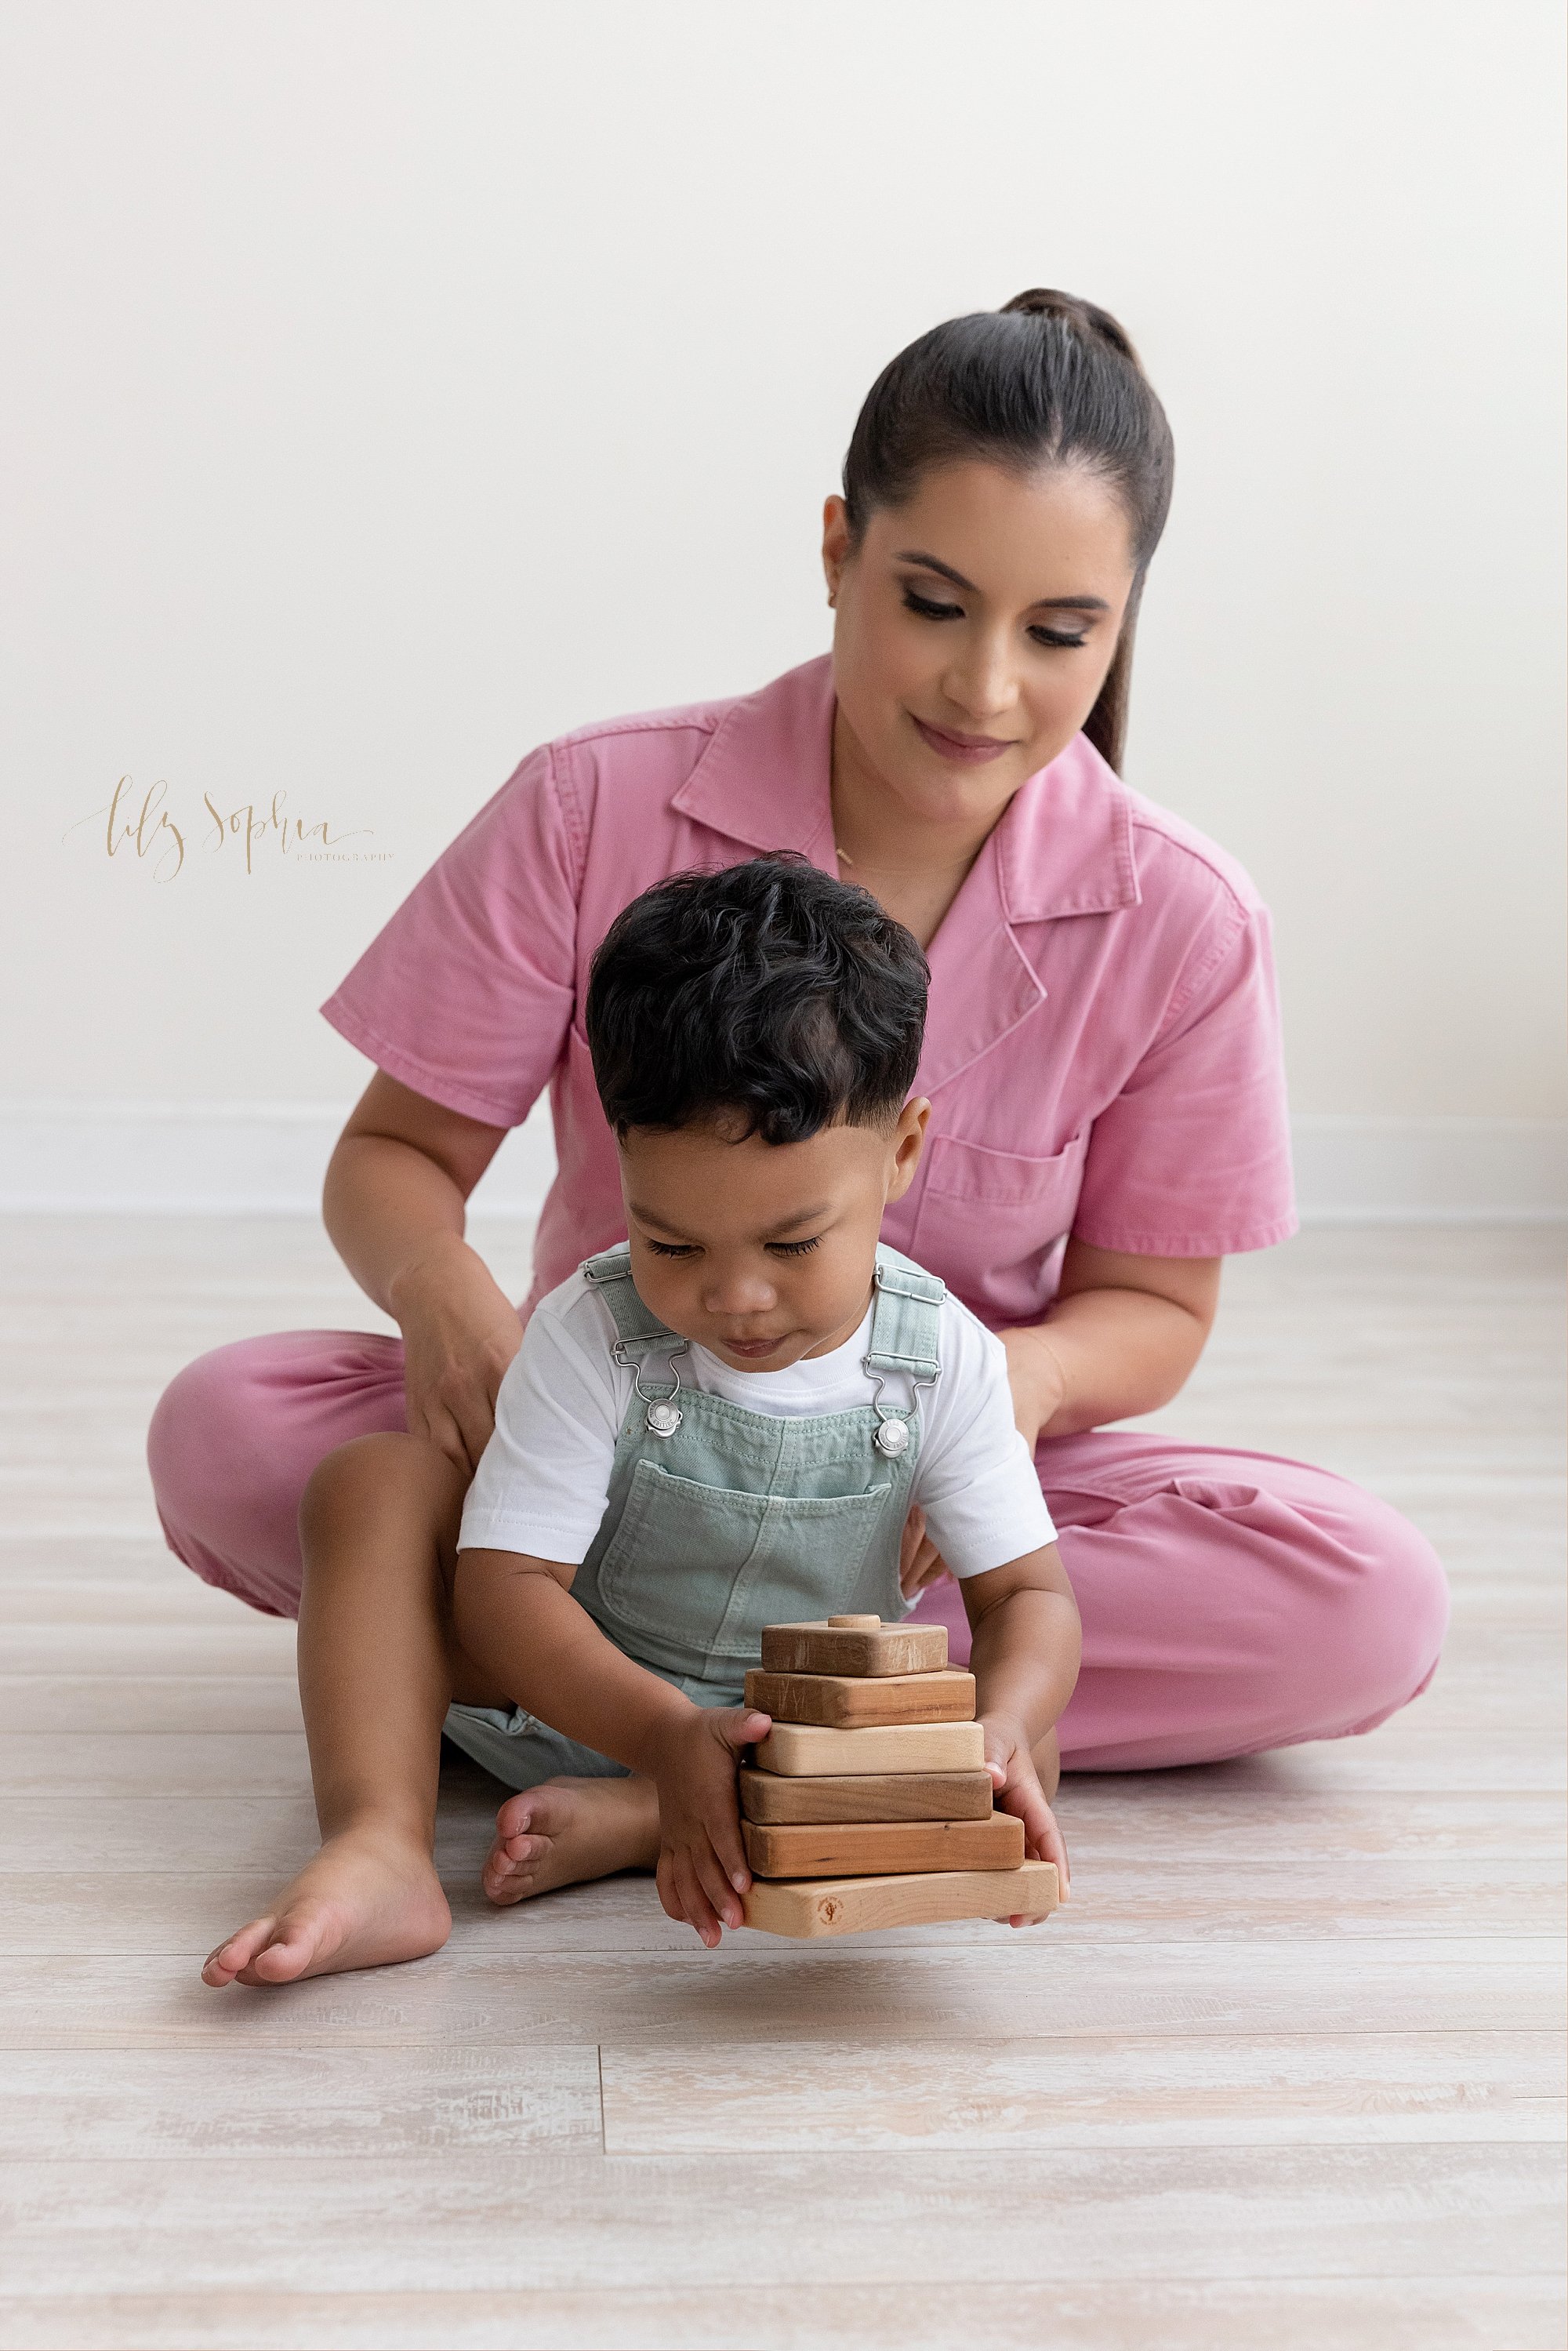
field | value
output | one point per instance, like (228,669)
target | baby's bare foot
(371,1896)
(566,1830)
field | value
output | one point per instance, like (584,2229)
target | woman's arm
(393,1204)
(1120,1337)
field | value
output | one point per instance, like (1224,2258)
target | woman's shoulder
(684,729)
(632,729)
(1178,857)
(1082,842)
(645,756)
(650,752)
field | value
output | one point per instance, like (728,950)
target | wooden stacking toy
(868,1804)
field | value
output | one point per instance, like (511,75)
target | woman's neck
(914,867)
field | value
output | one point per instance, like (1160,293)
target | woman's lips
(969,750)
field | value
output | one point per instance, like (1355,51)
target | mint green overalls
(720,1521)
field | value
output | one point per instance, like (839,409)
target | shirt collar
(1064,846)
(763,778)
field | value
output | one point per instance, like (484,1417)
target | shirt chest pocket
(991,1221)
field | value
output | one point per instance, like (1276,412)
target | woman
(1102,1058)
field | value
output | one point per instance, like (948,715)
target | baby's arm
(1024,1656)
(515,1616)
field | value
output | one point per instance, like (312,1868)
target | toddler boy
(722,1424)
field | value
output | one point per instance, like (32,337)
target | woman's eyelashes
(929,609)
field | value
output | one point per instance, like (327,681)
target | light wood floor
(1287,2074)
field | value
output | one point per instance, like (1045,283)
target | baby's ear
(908,1141)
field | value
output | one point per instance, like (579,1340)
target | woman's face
(975,626)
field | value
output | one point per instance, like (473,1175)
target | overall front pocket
(697,1571)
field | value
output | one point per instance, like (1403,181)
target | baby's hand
(702,1862)
(1017,1788)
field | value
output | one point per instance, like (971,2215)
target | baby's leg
(378,1524)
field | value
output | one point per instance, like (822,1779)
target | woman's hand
(919,1561)
(1119,1338)
(1037,1380)
(460,1331)
(1017,1791)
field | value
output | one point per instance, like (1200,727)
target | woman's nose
(980,680)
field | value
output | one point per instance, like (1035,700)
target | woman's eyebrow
(929,563)
(1040,603)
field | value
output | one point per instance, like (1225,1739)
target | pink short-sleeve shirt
(1102,1049)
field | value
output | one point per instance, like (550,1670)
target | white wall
(390,386)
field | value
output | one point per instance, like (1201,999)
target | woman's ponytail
(1045,302)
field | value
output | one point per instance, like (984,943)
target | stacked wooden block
(868,1804)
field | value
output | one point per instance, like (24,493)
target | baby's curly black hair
(768,993)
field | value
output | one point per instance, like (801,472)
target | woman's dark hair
(769,991)
(1047,379)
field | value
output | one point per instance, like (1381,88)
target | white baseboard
(86,1157)
(1434,1171)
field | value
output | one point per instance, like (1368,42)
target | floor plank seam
(1264,2036)
(955,2159)
(1267,2034)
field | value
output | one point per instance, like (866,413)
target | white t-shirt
(543,1479)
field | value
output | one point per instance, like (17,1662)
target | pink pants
(1231,1601)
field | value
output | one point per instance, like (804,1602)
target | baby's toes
(514,1816)
(525,1850)
(223,1965)
(287,1954)
(515,1855)
(510,1868)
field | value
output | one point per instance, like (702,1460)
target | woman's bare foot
(565,1830)
(371,1896)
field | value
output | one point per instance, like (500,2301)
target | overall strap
(639,1334)
(906,1319)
